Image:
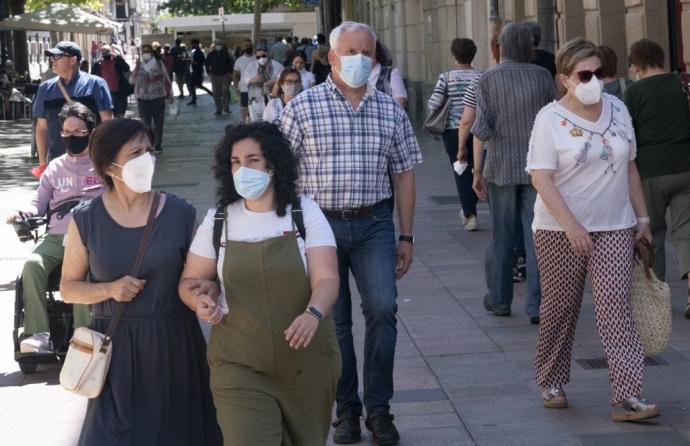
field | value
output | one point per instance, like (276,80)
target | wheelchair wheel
(27,368)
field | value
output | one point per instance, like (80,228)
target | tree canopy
(210,7)
(33,5)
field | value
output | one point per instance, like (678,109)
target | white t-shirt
(273,110)
(397,85)
(593,183)
(248,226)
(240,65)
(252,70)
(308,79)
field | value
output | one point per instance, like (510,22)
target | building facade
(419,32)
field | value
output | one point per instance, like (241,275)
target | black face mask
(248,50)
(107,56)
(76,144)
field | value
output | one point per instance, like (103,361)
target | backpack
(219,218)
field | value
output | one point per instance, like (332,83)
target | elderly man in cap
(259,76)
(113,68)
(219,66)
(90,90)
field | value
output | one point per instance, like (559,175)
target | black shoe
(191,103)
(347,429)
(382,429)
(488,306)
(218,112)
(534,320)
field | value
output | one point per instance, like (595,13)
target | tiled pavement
(462,376)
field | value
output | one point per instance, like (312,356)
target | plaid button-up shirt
(345,155)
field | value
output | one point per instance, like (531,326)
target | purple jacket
(67,178)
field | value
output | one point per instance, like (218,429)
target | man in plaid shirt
(348,137)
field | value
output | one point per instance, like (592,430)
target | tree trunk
(256,30)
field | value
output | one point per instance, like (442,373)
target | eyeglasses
(586,75)
(82,132)
(262,57)
(292,82)
(58,56)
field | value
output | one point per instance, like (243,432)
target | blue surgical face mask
(251,183)
(355,70)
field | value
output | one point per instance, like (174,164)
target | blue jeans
(511,205)
(366,246)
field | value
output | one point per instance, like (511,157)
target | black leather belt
(353,214)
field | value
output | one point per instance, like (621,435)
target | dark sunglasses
(262,57)
(586,75)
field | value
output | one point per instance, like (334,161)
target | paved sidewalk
(463,377)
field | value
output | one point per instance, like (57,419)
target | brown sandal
(634,409)
(554,398)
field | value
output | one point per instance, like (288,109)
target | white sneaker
(471,223)
(463,219)
(38,343)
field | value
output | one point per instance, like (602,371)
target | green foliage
(33,5)
(210,7)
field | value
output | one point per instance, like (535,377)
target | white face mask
(137,173)
(146,56)
(219,47)
(263,60)
(589,93)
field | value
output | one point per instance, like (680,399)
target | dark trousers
(152,112)
(119,103)
(196,80)
(366,246)
(463,183)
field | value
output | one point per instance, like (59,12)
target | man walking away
(241,63)
(180,59)
(196,79)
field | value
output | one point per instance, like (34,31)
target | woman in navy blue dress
(157,391)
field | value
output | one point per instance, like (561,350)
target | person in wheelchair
(68,180)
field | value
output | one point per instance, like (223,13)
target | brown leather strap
(120,306)
(64,91)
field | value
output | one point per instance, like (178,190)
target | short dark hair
(195,41)
(279,158)
(646,53)
(320,38)
(108,139)
(463,50)
(301,54)
(80,111)
(609,60)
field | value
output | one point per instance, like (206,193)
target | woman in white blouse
(288,86)
(298,63)
(589,213)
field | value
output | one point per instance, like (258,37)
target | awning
(60,18)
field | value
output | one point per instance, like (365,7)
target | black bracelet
(314,312)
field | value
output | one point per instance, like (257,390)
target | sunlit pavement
(462,376)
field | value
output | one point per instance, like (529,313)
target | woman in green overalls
(273,352)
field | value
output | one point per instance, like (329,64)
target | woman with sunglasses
(589,212)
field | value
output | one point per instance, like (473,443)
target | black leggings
(463,183)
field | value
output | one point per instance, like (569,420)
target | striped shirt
(509,96)
(452,84)
(469,99)
(345,154)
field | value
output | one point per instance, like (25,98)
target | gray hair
(535,29)
(515,42)
(347,27)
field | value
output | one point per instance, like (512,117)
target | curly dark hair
(279,158)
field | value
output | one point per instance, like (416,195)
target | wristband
(643,220)
(314,312)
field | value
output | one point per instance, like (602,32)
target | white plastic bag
(174,108)
(256,109)
(459,167)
